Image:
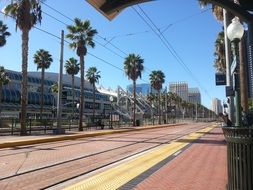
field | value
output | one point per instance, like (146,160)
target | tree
(81,34)
(4,80)
(219,54)
(27,13)
(72,68)
(157,78)
(93,76)
(133,67)
(217,10)
(3,33)
(43,60)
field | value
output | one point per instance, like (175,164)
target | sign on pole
(220,79)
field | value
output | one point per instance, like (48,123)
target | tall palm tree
(93,76)
(3,33)
(133,67)
(43,60)
(81,34)
(4,80)
(27,13)
(72,68)
(157,78)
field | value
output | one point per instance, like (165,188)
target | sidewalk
(203,166)
(191,163)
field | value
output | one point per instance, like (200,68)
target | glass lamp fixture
(235,30)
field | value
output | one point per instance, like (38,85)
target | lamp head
(235,30)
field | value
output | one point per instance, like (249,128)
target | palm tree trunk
(81,93)
(243,76)
(134,86)
(25,39)
(94,97)
(73,96)
(42,91)
(159,107)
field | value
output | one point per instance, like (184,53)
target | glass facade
(11,94)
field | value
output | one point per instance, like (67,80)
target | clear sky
(190,31)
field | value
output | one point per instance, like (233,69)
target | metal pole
(236,78)
(196,116)
(229,81)
(59,99)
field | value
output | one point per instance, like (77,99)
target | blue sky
(191,33)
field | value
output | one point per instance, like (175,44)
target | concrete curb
(9,144)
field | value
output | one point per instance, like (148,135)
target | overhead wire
(65,41)
(169,46)
(107,41)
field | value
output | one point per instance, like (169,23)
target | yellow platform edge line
(114,178)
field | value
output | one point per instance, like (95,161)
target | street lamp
(239,138)
(235,32)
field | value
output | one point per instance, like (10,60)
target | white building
(216,106)
(180,88)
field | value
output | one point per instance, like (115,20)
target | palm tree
(157,78)
(54,89)
(82,36)
(3,33)
(93,76)
(43,60)
(72,68)
(27,13)
(4,79)
(219,62)
(133,66)
(217,10)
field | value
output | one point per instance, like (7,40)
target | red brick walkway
(203,166)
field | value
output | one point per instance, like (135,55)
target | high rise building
(180,88)
(194,95)
(216,106)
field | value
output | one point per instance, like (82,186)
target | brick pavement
(202,166)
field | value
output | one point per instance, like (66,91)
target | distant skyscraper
(216,106)
(180,88)
(194,95)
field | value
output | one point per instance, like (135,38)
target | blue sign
(220,79)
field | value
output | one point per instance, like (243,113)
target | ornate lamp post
(235,32)
(239,138)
